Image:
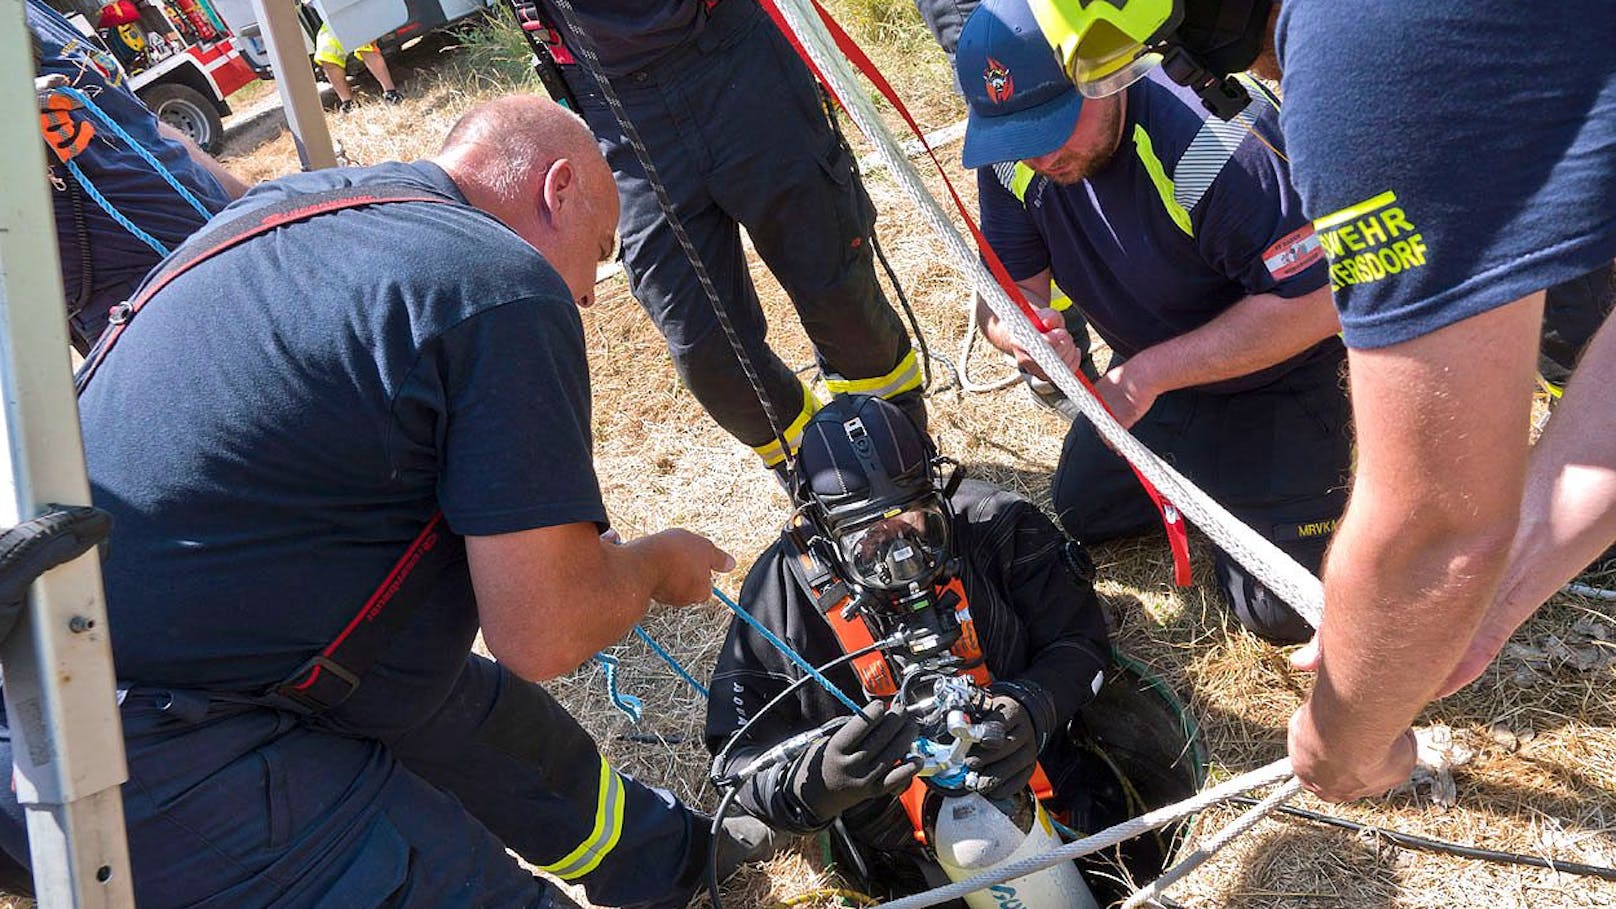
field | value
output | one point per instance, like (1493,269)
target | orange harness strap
(875,672)
(66,137)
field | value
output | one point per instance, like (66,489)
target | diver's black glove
(863,760)
(1004,760)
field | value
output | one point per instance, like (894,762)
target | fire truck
(181,58)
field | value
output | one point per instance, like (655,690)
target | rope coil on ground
(1264,776)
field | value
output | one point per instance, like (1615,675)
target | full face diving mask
(896,550)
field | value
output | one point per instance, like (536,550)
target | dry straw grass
(663,462)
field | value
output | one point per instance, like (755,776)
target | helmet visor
(1097,83)
(896,549)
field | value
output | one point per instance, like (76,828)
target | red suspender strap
(1172,521)
(331,675)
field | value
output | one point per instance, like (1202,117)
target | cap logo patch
(1000,84)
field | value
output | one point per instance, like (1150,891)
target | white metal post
(60,701)
(278,22)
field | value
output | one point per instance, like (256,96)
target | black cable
(712,849)
(731,791)
(584,50)
(829,104)
(1426,844)
(908,311)
(723,753)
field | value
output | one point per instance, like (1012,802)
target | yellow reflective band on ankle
(1158,176)
(601,840)
(904,377)
(771,453)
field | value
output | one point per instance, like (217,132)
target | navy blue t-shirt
(277,425)
(1457,154)
(120,174)
(1116,248)
(632,34)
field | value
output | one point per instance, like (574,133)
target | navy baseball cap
(1021,104)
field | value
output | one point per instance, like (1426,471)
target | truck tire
(188,111)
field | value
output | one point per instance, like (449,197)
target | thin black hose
(1426,844)
(829,104)
(712,849)
(723,754)
(908,311)
(731,791)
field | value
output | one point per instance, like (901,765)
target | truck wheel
(188,111)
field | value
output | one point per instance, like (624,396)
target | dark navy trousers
(1277,457)
(734,123)
(231,804)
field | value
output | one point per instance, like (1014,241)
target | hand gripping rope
(1267,563)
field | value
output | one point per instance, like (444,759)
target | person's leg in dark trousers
(1277,458)
(795,188)
(522,765)
(1095,493)
(238,807)
(1572,312)
(1283,459)
(660,274)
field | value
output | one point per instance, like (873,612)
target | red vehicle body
(180,57)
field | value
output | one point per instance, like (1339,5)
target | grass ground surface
(1541,725)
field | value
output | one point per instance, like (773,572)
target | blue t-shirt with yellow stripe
(1190,216)
(1457,155)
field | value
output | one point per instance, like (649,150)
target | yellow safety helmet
(1107,45)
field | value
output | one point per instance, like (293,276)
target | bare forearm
(1420,552)
(1252,335)
(1568,516)
(232,185)
(1403,599)
(550,597)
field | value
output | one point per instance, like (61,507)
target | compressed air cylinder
(971,835)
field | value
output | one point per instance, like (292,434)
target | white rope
(965,361)
(1265,561)
(1213,844)
(914,148)
(1105,839)
(1597,593)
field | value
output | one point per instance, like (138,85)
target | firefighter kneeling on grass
(994,631)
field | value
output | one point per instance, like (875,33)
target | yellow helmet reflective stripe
(1100,43)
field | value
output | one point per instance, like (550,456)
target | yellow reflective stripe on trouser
(1158,176)
(903,377)
(601,840)
(1058,300)
(771,453)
